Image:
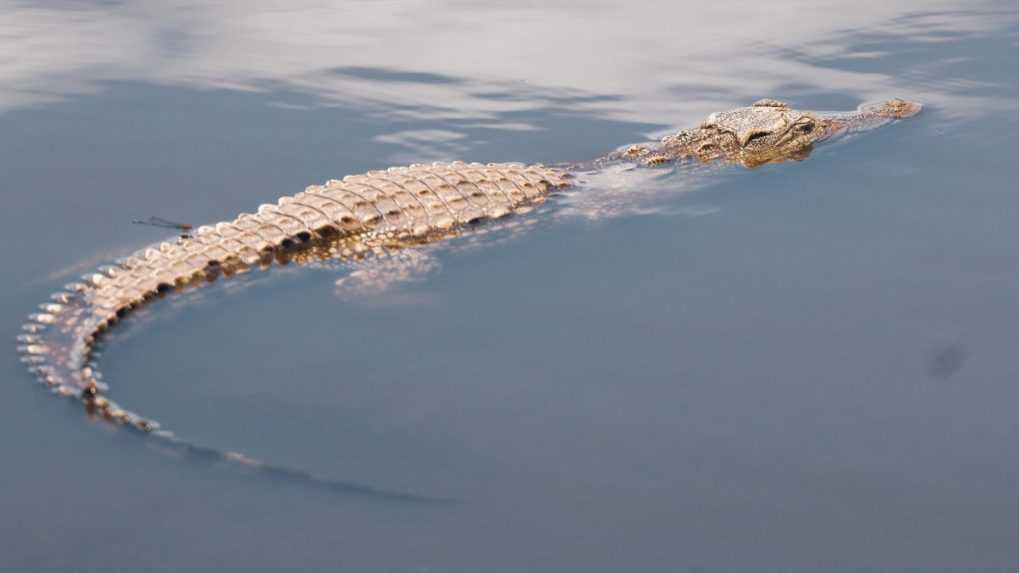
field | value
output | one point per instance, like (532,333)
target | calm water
(806,367)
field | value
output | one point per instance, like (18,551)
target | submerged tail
(56,344)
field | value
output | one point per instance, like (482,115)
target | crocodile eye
(805,127)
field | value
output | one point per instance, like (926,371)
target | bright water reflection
(661,61)
(806,367)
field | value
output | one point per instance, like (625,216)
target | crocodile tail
(419,203)
(57,345)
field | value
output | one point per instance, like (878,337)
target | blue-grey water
(804,367)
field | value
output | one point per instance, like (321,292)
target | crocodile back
(349,218)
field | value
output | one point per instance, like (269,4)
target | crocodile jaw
(769,131)
(892,109)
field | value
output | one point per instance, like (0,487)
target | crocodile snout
(896,108)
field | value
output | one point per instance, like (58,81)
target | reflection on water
(806,367)
(663,62)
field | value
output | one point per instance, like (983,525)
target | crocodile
(377,213)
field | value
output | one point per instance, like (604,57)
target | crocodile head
(770,131)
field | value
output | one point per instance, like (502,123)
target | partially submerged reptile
(376,213)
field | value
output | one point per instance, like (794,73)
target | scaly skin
(768,131)
(377,212)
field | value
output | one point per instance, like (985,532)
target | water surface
(805,367)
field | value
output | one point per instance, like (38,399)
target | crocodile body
(375,213)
